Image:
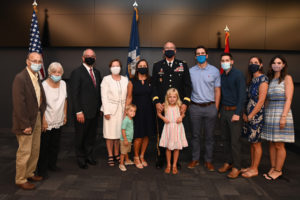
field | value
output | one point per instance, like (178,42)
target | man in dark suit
(29,105)
(86,101)
(169,73)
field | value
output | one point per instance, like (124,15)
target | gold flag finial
(35,5)
(135,5)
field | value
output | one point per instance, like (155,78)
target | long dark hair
(249,74)
(283,72)
(136,71)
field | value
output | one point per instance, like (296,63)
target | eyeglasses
(36,61)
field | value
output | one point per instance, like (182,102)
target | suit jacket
(85,96)
(25,105)
(111,97)
(165,77)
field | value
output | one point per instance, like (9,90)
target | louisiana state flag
(134,45)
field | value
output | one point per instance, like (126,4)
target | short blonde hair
(55,66)
(130,106)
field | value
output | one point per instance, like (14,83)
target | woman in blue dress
(254,114)
(279,126)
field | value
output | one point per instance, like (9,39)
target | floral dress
(252,129)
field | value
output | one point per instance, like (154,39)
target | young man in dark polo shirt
(233,96)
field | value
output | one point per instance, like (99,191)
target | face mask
(277,68)
(35,67)
(115,70)
(253,68)
(225,65)
(55,78)
(89,60)
(142,70)
(169,53)
(201,59)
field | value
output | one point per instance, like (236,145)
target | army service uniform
(165,77)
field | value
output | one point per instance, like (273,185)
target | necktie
(170,64)
(92,76)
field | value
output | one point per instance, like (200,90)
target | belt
(203,104)
(229,108)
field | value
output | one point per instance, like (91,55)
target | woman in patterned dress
(279,126)
(254,116)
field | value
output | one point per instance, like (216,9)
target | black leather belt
(203,104)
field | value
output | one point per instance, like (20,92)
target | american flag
(35,42)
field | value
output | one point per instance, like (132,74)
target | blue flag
(134,46)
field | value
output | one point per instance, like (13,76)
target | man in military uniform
(169,73)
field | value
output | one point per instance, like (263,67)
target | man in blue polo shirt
(205,100)
(232,102)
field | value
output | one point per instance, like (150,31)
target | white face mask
(35,67)
(115,70)
(225,65)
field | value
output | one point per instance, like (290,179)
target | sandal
(269,177)
(117,159)
(138,163)
(110,161)
(175,170)
(144,163)
(168,170)
(249,174)
(243,170)
(269,172)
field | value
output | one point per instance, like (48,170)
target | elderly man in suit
(29,104)
(86,100)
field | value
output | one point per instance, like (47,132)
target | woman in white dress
(54,118)
(113,94)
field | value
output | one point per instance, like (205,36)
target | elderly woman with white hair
(54,118)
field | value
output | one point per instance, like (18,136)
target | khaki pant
(28,153)
(125,149)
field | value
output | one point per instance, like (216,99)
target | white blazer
(111,98)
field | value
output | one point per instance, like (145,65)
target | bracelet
(283,115)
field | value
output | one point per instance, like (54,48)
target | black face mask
(253,68)
(142,70)
(89,60)
(169,53)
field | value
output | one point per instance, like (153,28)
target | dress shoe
(234,173)
(209,166)
(159,164)
(193,164)
(82,165)
(225,168)
(26,186)
(35,178)
(91,161)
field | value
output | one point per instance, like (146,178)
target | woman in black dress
(139,93)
